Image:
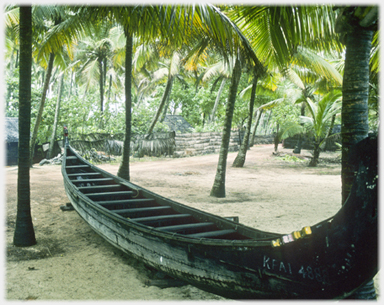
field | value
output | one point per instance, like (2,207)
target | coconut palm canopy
(174,24)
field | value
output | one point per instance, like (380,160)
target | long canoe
(328,260)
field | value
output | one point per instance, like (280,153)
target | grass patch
(289,158)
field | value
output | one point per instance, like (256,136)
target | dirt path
(71,262)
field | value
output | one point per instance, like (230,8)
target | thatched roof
(177,123)
(12,130)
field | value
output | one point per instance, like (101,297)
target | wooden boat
(330,259)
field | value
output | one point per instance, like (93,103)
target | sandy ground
(71,262)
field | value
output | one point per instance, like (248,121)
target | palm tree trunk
(167,91)
(218,188)
(266,124)
(354,126)
(276,139)
(166,105)
(212,116)
(71,84)
(41,106)
(316,154)
(105,67)
(327,141)
(297,149)
(101,85)
(124,166)
(17,59)
(240,158)
(57,112)
(101,88)
(24,235)
(255,128)
(165,110)
(109,88)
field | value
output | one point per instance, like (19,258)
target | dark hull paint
(338,257)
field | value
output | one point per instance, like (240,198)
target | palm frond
(289,129)
(160,74)
(69,30)
(293,77)
(90,73)
(219,68)
(311,106)
(275,32)
(271,104)
(306,120)
(322,112)
(374,61)
(318,64)
(144,54)
(175,64)
(245,94)
(12,16)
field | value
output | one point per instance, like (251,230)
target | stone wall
(200,143)
(261,139)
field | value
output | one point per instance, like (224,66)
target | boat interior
(130,203)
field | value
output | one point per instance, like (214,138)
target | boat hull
(336,258)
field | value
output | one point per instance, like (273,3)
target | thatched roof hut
(12,130)
(177,124)
(12,140)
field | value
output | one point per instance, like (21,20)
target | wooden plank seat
(185,228)
(100,188)
(110,194)
(157,221)
(141,212)
(84,174)
(76,166)
(213,234)
(94,180)
(127,203)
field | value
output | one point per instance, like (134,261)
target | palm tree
(285,127)
(145,60)
(280,29)
(57,113)
(321,117)
(236,60)
(39,116)
(218,188)
(310,72)
(265,93)
(178,24)
(96,52)
(171,71)
(41,15)
(357,25)
(240,158)
(24,233)
(222,69)
(124,167)
(278,34)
